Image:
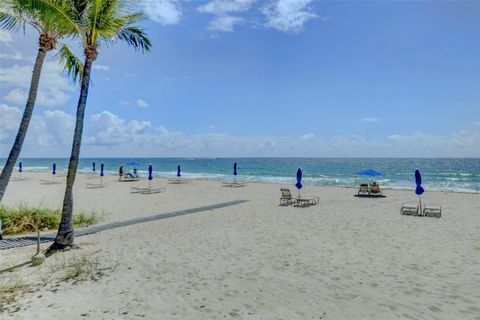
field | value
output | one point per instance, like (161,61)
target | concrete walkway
(14,242)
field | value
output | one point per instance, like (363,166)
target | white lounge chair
(409,209)
(432,211)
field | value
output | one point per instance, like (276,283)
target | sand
(345,258)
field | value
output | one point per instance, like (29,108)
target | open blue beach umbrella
(299,179)
(20,168)
(178,171)
(54,168)
(418,181)
(93,166)
(134,163)
(235,169)
(150,170)
(101,170)
(369,172)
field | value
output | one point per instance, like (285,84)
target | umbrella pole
(420,204)
(101,180)
(149,184)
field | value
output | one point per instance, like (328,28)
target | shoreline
(246,179)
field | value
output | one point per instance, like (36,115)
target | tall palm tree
(99,21)
(49,21)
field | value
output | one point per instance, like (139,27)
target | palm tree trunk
(22,130)
(64,238)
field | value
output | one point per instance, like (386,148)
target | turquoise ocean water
(438,174)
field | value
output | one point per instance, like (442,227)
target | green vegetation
(24,219)
(82,269)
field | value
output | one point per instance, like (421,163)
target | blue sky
(266,78)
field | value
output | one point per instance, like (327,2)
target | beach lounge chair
(233,184)
(129,177)
(286,197)
(375,189)
(409,209)
(147,190)
(432,211)
(96,185)
(363,190)
(43,181)
(306,202)
(177,181)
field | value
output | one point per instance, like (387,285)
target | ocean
(438,174)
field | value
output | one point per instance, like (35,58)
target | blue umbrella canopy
(150,170)
(93,166)
(178,171)
(101,170)
(369,172)
(235,169)
(418,181)
(134,163)
(299,179)
(20,168)
(54,168)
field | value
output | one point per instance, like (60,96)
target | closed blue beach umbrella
(235,169)
(150,170)
(419,190)
(54,171)
(20,169)
(101,172)
(150,175)
(418,181)
(299,181)
(93,166)
(178,171)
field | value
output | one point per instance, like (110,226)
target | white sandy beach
(345,258)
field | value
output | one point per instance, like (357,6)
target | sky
(263,78)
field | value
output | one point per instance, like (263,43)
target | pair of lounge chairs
(416,210)
(234,184)
(177,181)
(287,199)
(146,190)
(370,190)
(129,177)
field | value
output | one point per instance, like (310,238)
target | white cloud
(9,121)
(165,12)
(48,132)
(139,103)
(54,89)
(370,120)
(108,129)
(5,36)
(308,136)
(222,9)
(100,67)
(107,134)
(288,15)
(477,123)
(224,23)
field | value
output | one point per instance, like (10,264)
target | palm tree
(99,21)
(48,20)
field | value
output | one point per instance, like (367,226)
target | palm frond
(9,21)
(55,15)
(70,62)
(135,37)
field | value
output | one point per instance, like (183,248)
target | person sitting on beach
(120,173)
(135,173)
